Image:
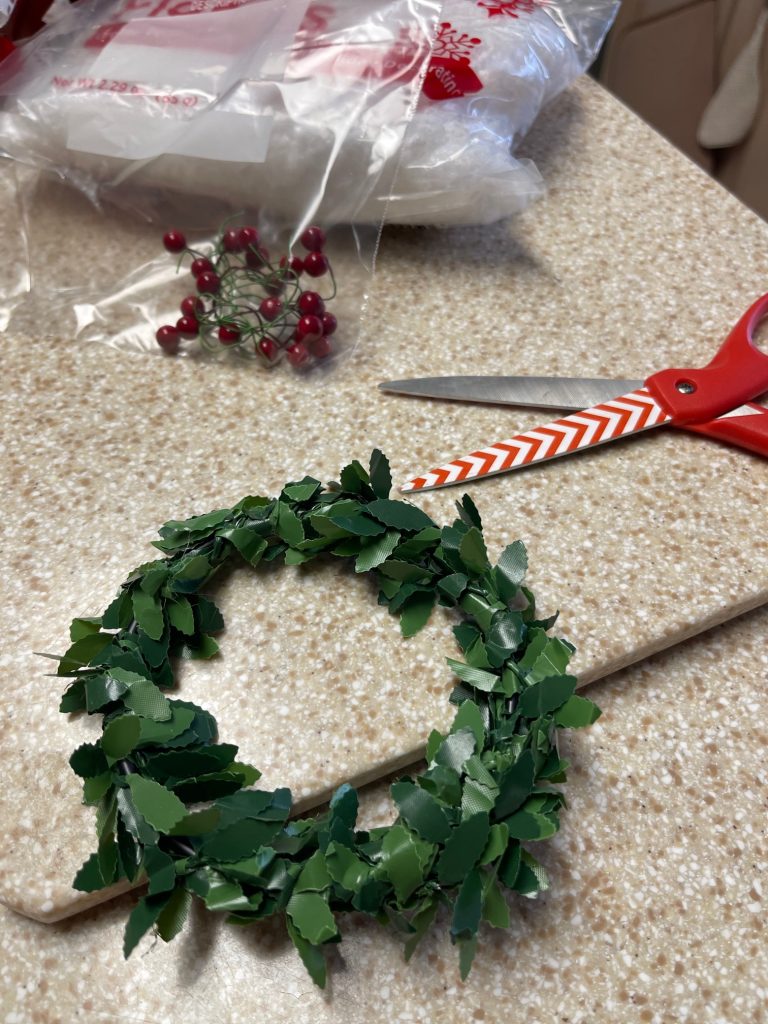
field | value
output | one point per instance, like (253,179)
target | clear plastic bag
(345,114)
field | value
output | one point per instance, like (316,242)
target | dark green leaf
(463,849)
(85,651)
(360,525)
(525,825)
(400,515)
(303,490)
(311,956)
(416,611)
(515,785)
(89,878)
(577,712)
(472,551)
(495,909)
(381,478)
(289,526)
(455,749)
(468,907)
(171,919)
(101,690)
(312,917)
(160,870)
(377,551)
(88,761)
(148,612)
(120,736)
(421,811)
(405,860)
(181,616)
(546,695)
(470,717)
(468,512)
(249,544)
(142,918)
(511,569)
(83,627)
(467,950)
(454,585)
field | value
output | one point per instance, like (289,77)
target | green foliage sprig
(176,807)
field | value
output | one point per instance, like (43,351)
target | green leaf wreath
(177,809)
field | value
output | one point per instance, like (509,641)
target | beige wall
(667,58)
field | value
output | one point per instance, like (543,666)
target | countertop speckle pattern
(633,261)
(656,912)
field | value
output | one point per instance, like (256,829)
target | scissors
(713,401)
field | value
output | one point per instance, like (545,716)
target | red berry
(256,258)
(192,306)
(311,302)
(316,264)
(188,327)
(249,236)
(270,308)
(313,239)
(231,240)
(208,283)
(174,241)
(309,328)
(294,265)
(321,347)
(229,334)
(168,339)
(330,323)
(297,353)
(268,348)
(201,266)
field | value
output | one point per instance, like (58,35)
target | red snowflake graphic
(452,44)
(513,8)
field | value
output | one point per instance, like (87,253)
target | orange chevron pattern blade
(627,414)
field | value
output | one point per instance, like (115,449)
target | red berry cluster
(244,300)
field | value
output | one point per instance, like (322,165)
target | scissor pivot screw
(685,387)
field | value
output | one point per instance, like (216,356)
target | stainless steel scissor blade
(535,392)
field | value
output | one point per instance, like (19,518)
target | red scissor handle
(748,429)
(738,373)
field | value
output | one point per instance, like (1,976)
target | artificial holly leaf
(360,526)
(455,749)
(120,736)
(312,917)
(524,825)
(100,690)
(181,616)
(468,907)
(421,811)
(88,761)
(420,922)
(476,677)
(495,908)
(346,868)
(468,512)
(443,783)
(85,651)
(311,956)
(510,570)
(89,877)
(288,526)
(172,917)
(552,661)
(142,918)
(380,475)
(546,695)
(477,797)
(472,551)
(515,785)
(463,849)
(470,717)
(208,618)
(239,840)
(83,627)
(160,870)
(146,700)
(73,698)
(531,876)
(197,823)
(415,613)
(377,551)
(314,875)
(407,572)
(191,574)
(498,838)
(249,544)
(303,490)
(163,732)
(200,649)
(399,514)
(467,951)
(577,712)
(506,635)
(454,585)
(157,805)
(148,612)
(405,860)
(119,613)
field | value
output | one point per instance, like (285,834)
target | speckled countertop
(633,261)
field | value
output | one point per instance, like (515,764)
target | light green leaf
(148,612)
(377,551)
(120,736)
(405,860)
(157,805)
(399,514)
(312,917)
(472,551)
(546,695)
(577,712)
